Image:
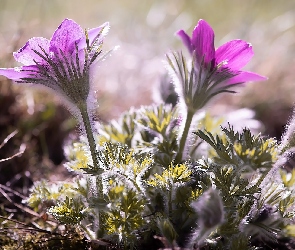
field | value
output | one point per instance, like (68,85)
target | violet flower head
(63,63)
(212,71)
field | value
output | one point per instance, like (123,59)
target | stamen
(224,62)
(59,64)
(178,67)
(192,79)
(184,68)
(42,70)
(96,54)
(221,77)
(77,60)
(50,62)
(69,68)
(87,39)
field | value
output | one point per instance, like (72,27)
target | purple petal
(81,55)
(65,36)
(95,35)
(246,76)
(203,41)
(186,40)
(27,56)
(19,72)
(237,53)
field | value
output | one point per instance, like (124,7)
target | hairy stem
(89,133)
(92,146)
(91,141)
(189,118)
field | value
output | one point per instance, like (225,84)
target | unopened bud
(209,208)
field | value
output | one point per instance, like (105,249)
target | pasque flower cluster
(126,194)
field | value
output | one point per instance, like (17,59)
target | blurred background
(144,30)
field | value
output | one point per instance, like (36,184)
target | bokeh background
(144,31)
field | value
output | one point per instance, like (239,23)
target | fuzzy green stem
(91,141)
(92,146)
(189,118)
(89,133)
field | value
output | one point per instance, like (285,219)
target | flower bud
(209,208)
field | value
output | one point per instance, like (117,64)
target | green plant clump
(228,200)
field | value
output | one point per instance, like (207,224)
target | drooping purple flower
(212,71)
(62,63)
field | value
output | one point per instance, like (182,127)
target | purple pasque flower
(62,63)
(212,71)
